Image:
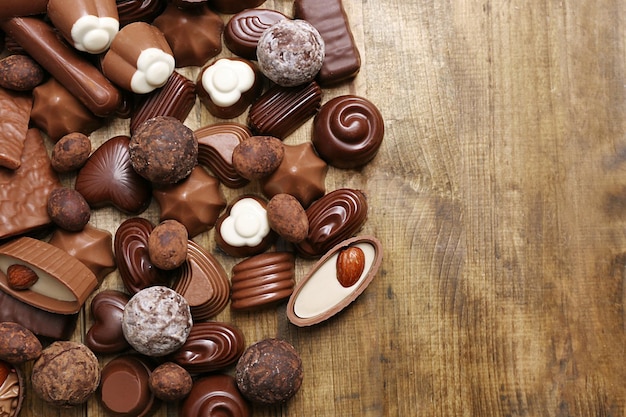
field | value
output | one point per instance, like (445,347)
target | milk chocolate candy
(342,60)
(12,8)
(214,395)
(88,25)
(139,58)
(130,11)
(106,335)
(15,108)
(233,6)
(244,29)
(64,63)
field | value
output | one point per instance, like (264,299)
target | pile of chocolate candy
(70,67)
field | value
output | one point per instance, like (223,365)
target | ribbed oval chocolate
(210,346)
(203,282)
(215,150)
(132,258)
(281,110)
(262,280)
(335,217)
(106,335)
(243,30)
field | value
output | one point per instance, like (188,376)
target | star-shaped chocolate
(196,202)
(301,173)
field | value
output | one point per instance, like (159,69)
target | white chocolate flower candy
(226,80)
(246,225)
(154,67)
(94,34)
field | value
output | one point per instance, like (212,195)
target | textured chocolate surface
(281,110)
(214,395)
(336,216)
(258,156)
(20,72)
(203,282)
(105,334)
(108,178)
(342,60)
(139,10)
(243,30)
(262,280)
(216,143)
(210,346)
(195,35)
(301,174)
(348,131)
(15,109)
(24,191)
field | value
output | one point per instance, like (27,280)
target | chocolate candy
(20,73)
(68,209)
(106,335)
(216,143)
(124,387)
(262,280)
(11,8)
(211,346)
(287,217)
(348,131)
(70,152)
(227,86)
(203,282)
(320,295)
(15,108)
(170,382)
(196,201)
(258,156)
(189,4)
(12,390)
(233,6)
(195,35)
(281,110)
(88,25)
(139,10)
(342,60)
(244,29)
(335,217)
(77,75)
(139,58)
(108,178)
(301,173)
(167,244)
(214,395)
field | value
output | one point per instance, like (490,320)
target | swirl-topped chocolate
(215,395)
(244,29)
(139,10)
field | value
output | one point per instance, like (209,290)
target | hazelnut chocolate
(244,29)
(15,109)
(70,152)
(258,156)
(105,334)
(215,394)
(20,73)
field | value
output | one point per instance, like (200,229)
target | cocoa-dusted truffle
(17,343)
(287,217)
(20,73)
(167,244)
(269,372)
(170,382)
(68,209)
(163,150)
(70,152)
(258,156)
(156,321)
(290,52)
(66,374)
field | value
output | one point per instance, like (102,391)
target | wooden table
(499,194)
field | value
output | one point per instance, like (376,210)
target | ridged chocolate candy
(15,108)
(216,143)
(244,29)
(139,10)
(215,395)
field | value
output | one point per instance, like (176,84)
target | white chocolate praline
(226,80)
(9,395)
(94,34)
(247,224)
(154,67)
(46,284)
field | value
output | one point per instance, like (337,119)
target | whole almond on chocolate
(258,156)
(287,217)
(21,277)
(350,266)
(20,73)
(17,343)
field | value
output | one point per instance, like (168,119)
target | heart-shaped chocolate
(108,178)
(106,335)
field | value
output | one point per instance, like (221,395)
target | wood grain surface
(499,194)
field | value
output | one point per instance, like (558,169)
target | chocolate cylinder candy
(139,58)
(15,108)
(215,395)
(88,25)
(342,60)
(233,6)
(130,11)
(12,8)
(76,74)
(244,29)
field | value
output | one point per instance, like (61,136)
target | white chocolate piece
(154,67)
(94,34)
(46,284)
(226,80)
(247,224)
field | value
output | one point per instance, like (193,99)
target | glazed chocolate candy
(11,8)
(130,11)
(15,108)
(214,395)
(244,29)
(106,335)
(342,60)
(233,6)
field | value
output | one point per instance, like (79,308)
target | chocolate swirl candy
(210,346)
(244,29)
(215,395)
(203,282)
(335,217)
(131,254)
(348,131)
(139,10)
(262,280)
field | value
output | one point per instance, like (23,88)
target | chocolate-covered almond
(20,73)
(287,217)
(258,156)
(70,152)
(105,334)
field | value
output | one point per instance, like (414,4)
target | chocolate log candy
(108,178)
(88,25)
(124,388)
(233,6)
(348,131)
(76,74)
(24,191)
(281,110)
(216,143)
(335,217)
(244,29)
(211,346)
(130,11)
(139,59)
(215,395)
(105,335)
(342,60)
(262,280)
(12,8)
(15,109)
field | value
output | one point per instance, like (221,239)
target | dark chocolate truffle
(167,244)
(170,382)
(70,152)
(68,209)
